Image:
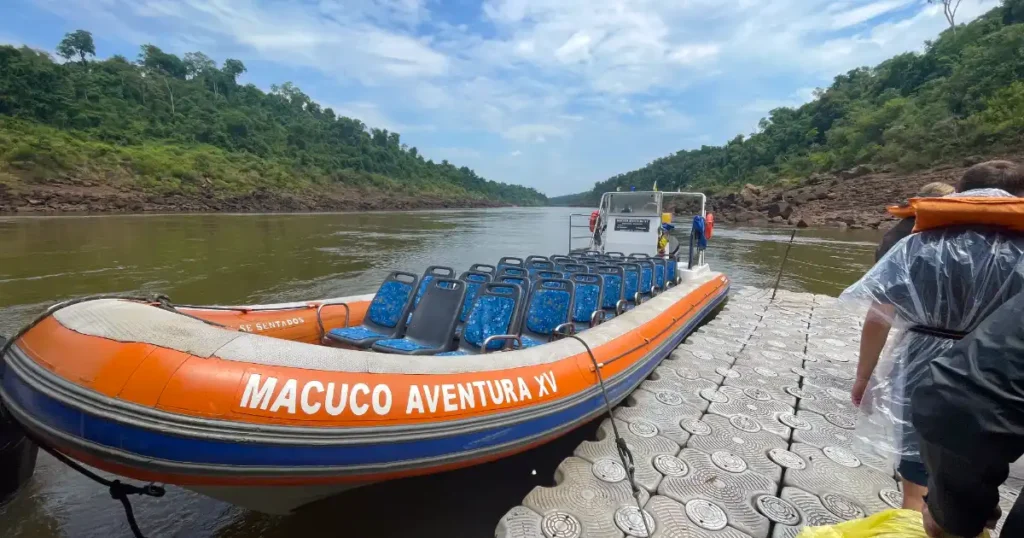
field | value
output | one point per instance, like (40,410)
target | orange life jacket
(934,213)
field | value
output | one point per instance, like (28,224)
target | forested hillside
(964,95)
(166,125)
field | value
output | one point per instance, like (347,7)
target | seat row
(516,303)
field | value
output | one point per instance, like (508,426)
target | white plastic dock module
(745,431)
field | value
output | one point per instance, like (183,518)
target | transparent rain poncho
(948,279)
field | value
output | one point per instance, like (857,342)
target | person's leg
(915,484)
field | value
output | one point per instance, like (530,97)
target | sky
(552,94)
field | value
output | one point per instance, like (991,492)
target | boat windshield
(639,203)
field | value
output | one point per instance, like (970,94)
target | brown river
(233,259)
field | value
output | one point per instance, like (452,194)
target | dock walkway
(745,430)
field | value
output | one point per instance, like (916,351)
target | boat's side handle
(320,320)
(596,318)
(503,337)
(638,298)
(563,330)
(620,307)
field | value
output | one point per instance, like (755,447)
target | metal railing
(575,226)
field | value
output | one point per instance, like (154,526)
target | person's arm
(872,341)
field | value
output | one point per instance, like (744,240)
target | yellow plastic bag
(887,524)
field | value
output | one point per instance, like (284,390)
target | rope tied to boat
(625,454)
(118,490)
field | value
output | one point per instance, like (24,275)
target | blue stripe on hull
(151,444)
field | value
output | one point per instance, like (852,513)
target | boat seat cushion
(587,297)
(530,342)
(361,336)
(387,306)
(399,345)
(548,310)
(491,316)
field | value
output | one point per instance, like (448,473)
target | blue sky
(553,94)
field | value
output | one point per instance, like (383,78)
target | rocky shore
(76,197)
(855,198)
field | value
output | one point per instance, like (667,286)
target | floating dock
(746,430)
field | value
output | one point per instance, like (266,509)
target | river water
(233,259)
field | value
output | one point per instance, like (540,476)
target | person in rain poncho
(968,409)
(936,285)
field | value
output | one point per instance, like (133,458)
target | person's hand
(857,393)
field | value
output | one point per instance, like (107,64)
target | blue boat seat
(495,312)
(613,300)
(587,300)
(547,311)
(433,322)
(671,271)
(536,264)
(510,261)
(659,273)
(518,272)
(474,281)
(548,274)
(490,270)
(631,278)
(385,318)
(568,269)
(646,274)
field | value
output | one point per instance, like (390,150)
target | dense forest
(964,95)
(186,125)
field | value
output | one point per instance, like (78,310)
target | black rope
(118,490)
(782,265)
(625,455)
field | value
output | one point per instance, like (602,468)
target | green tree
(78,43)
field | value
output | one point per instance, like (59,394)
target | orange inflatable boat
(306,399)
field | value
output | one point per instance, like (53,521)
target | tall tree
(78,43)
(949,8)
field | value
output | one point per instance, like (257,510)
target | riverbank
(80,197)
(855,198)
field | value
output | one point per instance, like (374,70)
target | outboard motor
(17,453)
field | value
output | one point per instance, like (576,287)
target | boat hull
(185,413)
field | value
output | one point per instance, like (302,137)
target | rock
(777,219)
(802,223)
(832,195)
(752,188)
(856,226)
(973,160)
(843,225)
(817,179)
(856,171)
(874,223)
(34,201)
(819,193)
(780,209)
(803,197)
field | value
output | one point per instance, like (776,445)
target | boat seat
(490,270)
(568,269)
(613,300)
(385,318)
(631,278)
(587,299)
(646,275)
(517,272)
(671,271)
(548,274)
(433,323)
(548,308)
(510,261)
(659,273)
(474,281)
(495,312)
(536,264)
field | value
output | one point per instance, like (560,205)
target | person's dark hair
(1004,175)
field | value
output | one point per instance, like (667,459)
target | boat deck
(746,430)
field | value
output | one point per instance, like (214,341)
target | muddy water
(270,258)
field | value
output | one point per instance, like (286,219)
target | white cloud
(534,132)
(604,84)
